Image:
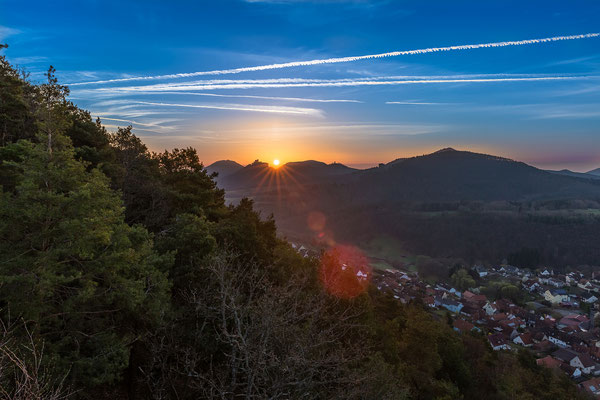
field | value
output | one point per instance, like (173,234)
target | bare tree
(275,342)
(23,372)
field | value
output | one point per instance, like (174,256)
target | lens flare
(345,271)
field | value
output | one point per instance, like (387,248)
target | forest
(124,275)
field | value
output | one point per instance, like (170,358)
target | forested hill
(449,204)
(123,275)
(443,176)
(259,175)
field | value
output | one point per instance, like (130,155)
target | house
(490,308)
(482,271)
(584,284)
(583,362)
(462,326)
(524,339)
(429,301)
(451,305)
(573,321)
(467,295)
(548,362)
(498,342)
(589,299)
(555,296)
(591,386)
(530,285)
(564,355)
(572,372)
(475,300)
(556,282)
(558,339)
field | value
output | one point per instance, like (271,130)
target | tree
(16,119)
(462,279)
(241,335)
(70,265)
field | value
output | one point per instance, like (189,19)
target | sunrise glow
(276,163)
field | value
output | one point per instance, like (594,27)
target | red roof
(548,362)
(526,338)
(592,385)
(463,326)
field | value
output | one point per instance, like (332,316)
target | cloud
(300,82)
(157,125)
(299,99)
(244,107)
(29,60)
(5,32)
(348,59)
(350,130)
(420,103)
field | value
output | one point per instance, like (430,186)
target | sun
(276,163)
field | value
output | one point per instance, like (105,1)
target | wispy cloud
(5,32)
(244,107)
(299,82)
(29,60)
(156,125)
(349,59)
(419,103)
(239,96)
(351,129)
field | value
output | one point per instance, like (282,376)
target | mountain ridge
(444,175)
(594,172)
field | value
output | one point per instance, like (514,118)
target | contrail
(299,99)
(242,107)
(418,103)
(323,83)
(347,59)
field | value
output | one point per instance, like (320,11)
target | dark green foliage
(70,265)
(525,258)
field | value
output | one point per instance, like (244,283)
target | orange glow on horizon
(246,140)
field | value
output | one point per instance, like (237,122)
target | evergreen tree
(88,283)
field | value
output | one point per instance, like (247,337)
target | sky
(231,78)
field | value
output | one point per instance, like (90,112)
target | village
(557,323)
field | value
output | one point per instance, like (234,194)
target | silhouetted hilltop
(442,176)
(583,175)
(260,174)
(594,172)
(448,175)
(224,168)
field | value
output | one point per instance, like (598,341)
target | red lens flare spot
(316,221)
(345,271)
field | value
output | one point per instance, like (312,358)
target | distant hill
(451,175)
(446,175)
(449,204)
(224,168)
(583,175)
(594,172)
(260,174)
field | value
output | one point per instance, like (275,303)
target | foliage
(462,280)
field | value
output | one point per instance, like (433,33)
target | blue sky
(536,102)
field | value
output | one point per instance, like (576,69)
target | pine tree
(88,283)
